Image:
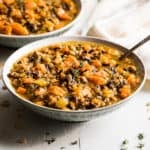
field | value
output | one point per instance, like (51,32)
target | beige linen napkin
(128,26)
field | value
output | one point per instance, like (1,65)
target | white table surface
(104,133)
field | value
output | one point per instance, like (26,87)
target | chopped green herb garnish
(75,72)
(20,3)
(81,64)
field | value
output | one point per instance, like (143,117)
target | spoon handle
(134,47)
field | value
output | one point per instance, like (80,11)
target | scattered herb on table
(140,136)
(124,144)
(50,141)
(74,142)
(62,148)
(140,145)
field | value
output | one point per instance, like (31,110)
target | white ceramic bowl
(81,115)
(18,41)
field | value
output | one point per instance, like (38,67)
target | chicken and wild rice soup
(75,76)
(24,17)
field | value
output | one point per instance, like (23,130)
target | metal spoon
(126,54)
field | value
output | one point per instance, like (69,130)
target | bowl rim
(54,32)
(65,39)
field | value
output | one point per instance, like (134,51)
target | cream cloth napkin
(126,25)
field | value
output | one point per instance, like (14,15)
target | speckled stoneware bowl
(81,115)
(18,41)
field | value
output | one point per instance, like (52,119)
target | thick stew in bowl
(75,75)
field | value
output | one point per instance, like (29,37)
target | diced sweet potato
(71,61)
(18,29)
(41,67)
(96,79)
(21,90)
(29,4)
(86,67)
(6,29)
(125,91)
(8,2)
(27,80)
(102,73)
(56,90)
(132,79)
(41,3)
(62,14)
(96,63)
